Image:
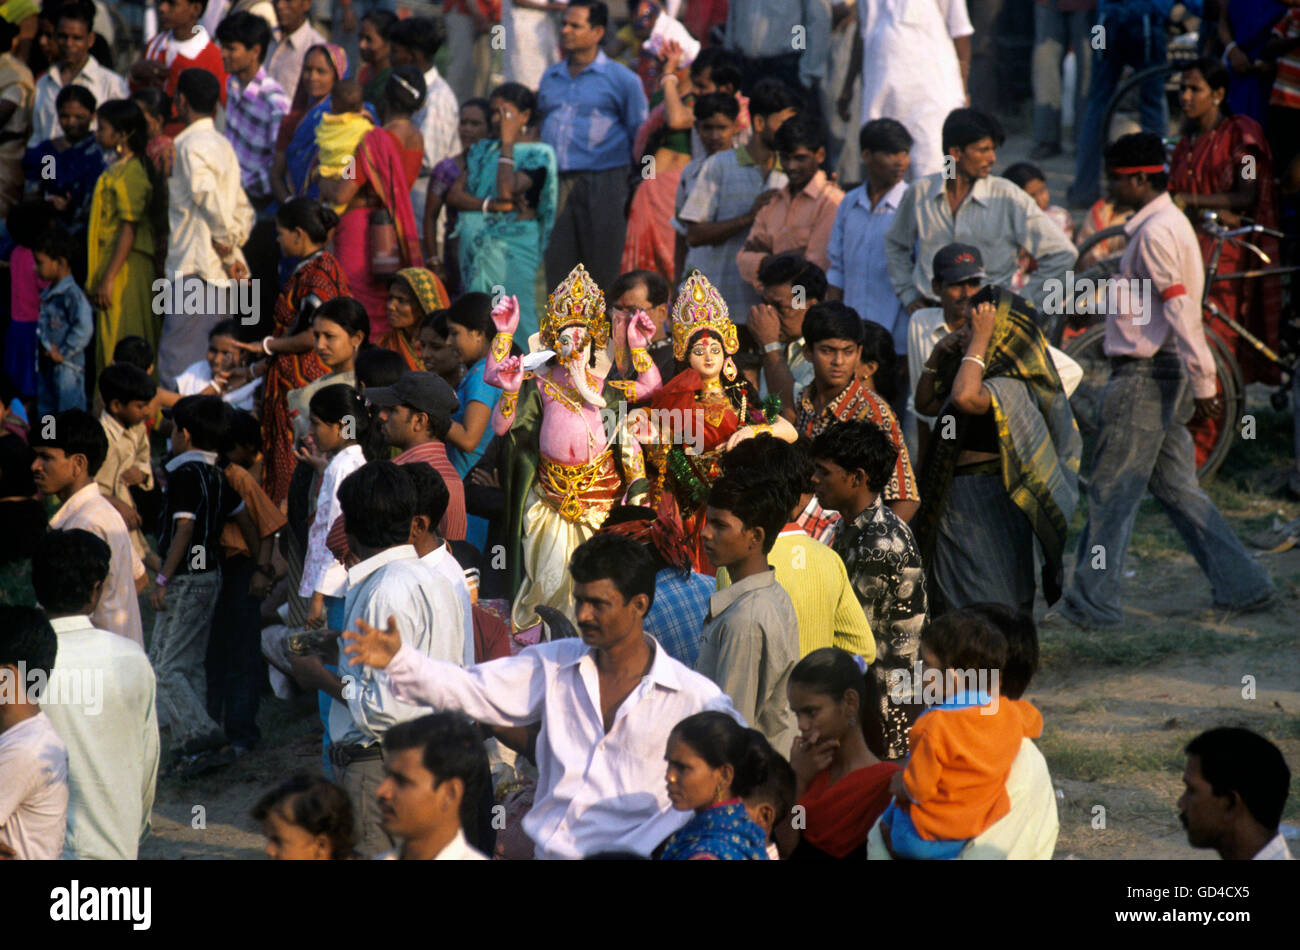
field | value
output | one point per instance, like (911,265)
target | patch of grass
(1134,645)
(1069,757)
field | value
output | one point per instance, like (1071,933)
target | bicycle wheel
(1078,314)
(1086,350)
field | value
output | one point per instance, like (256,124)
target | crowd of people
(612,482)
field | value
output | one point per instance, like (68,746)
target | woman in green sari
(506,200)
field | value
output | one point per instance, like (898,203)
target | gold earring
(729,370)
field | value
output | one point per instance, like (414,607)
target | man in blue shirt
(591,108)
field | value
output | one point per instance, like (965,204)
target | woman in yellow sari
(121,245)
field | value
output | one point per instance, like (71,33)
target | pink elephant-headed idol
(584,468)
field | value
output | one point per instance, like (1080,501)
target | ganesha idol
(701,413)
(566,467)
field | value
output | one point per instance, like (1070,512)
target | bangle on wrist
(266,345)
(505,160)
(160,579)
(772,347)
(486,202)
(974,359)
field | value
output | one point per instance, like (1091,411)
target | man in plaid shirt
(255,106)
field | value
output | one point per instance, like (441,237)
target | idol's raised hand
(505,315)
(640,330)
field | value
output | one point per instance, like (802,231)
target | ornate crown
(576,302)
(700,307)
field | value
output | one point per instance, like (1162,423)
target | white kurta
(532,41)
(910,70)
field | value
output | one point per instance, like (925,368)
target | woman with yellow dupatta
(1008,475)
(413,294)
(121,240)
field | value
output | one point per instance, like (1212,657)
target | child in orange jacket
(954,784)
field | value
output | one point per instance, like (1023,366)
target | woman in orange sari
(702,412)
(1223,164)
(413,294)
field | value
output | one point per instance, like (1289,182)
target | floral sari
(499,250)
(722,833)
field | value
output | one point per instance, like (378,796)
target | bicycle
(1086,347)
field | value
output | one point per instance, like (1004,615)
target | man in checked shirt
(1161,373)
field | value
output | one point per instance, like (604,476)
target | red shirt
(198,52)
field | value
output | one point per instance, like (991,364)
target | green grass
(1139,645)
(1067,757)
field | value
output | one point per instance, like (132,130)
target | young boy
(180,44)
(66,459)
(33,759)
(715,124)
(63,328)
(954,784)
(751,634)
(127,392)
(338,136)
(222,371)
(197,503)
(234,658)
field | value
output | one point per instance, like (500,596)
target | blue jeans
(1139,43)
(1143,442)
(59,386)
(1054,33)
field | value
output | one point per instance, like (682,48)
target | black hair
(597,12)
(656,288)
(377,366)
(66,567)
(964,127)
(767,454)
(227,327)
(8,33)
(1239,761)
(802,131)
(16,479)
(126,116)
(378,503)
(135,351)
(885,135)
(126,382)
(831,672)
(519,96)
(154,102)
(771,96)
(248,30)
(1139,149)
(347,313)
(312,217)
(206,419)
(8,389)
(431,494)
(85,12)
(338,402)
(778,788)
(27,638)
(481,104)
(831,320)
(1022,173)
(719,740)
(965,641)
(878,348)
(75,432)
(723,66)
(714,102)
(418,33)
(1212,70)
(618,559)
(78,94)
(200,89)
(405,90)
(756,498)
(245,430)
(473,311)
(859,444)
(797,271)
(382,20)
(1021,635)
(58,245)
(316,805)
(451,749)
(30,218)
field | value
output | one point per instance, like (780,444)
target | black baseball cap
(424,392)
(958,262)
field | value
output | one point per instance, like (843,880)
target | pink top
(26,287)
(1157,293)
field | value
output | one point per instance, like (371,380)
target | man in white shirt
(435,775)
(378,503)
(66,462)
(291,40)
(102,704)
(415,41)
(74,35)
(209,219)
(33,759)
(431,498)
(1235,787)
(606,703)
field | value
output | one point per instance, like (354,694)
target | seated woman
(1008,475)
(841,784)
(713,763)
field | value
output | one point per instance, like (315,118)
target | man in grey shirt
(751,635)
(965,204)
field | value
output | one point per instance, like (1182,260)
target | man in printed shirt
(1160,366)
